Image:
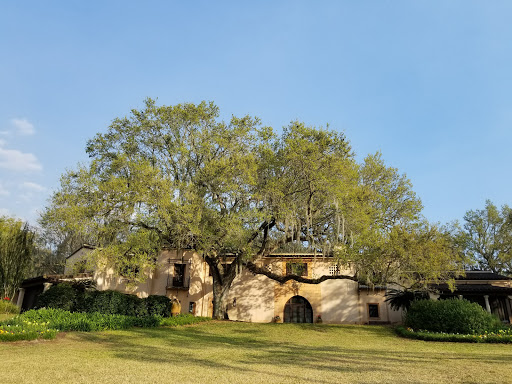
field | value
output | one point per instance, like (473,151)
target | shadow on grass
(253,348)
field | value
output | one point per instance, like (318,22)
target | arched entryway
(298,310)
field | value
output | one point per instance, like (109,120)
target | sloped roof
(482,289)
(482,275)
(87,246)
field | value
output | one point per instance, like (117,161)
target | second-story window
(178,279)
(297,268)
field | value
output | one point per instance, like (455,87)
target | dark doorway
(298,310)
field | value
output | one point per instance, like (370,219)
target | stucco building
(185,277)
(255,298)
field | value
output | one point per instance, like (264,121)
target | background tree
(16,248)
(486,237)
(176,176)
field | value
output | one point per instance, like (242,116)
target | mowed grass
(229,352)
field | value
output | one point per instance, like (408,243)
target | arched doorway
(298,310)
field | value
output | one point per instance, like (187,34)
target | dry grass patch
(226,352)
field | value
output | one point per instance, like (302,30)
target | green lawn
(226,352)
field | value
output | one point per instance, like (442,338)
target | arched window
(298,310)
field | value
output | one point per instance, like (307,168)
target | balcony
(178,282)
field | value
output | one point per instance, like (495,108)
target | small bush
(7,307)
(450,316)
(158,305)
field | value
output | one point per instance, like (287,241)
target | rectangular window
(192,307)
(334,270)
(299,269)
(178,279)
(373,311)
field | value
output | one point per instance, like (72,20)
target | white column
(487,306)
(21,295)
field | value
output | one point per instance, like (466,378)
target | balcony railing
(178,282)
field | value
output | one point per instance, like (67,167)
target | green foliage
(47,322)
(86,322)
(159,305)
(16,248)
(177,176)
(503,336)
(6,306)
(487,237)
(77,299)
(185,319)
(450,316)
(62,296)
(402,299)
(23,329)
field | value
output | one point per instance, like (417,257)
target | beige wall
(254,298)
(79,255)
(251,298)
(386,314)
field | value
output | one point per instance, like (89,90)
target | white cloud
(33,186)
(4,212)
(15,160)
(23,126)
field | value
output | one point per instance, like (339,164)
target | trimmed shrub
(158,305)
(450,316)
(61,296)
(7,307)
(72,298)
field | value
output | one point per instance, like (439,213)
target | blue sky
(427,83)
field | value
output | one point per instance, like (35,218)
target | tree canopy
(16,249)
(486,237)
(177,176)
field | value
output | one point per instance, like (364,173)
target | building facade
(185,277)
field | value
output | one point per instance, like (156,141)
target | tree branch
(283,279)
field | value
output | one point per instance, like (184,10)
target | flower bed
(26,330)
(46,323)
(503,335)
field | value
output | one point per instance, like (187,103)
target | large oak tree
(177,176)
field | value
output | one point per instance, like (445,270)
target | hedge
(450,316)
(47,322)
(76,299)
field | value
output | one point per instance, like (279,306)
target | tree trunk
(220,309)
(223,277)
